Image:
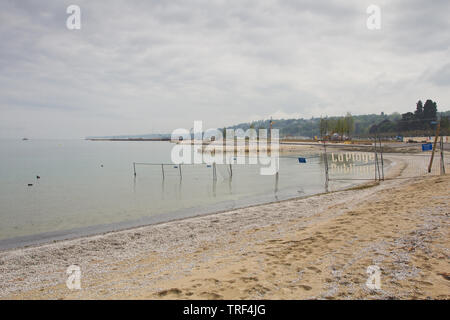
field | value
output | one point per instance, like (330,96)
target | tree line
(421,121)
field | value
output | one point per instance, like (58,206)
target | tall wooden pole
(438,128)
(442,156)
(382,161)
(276,182)
(326,166)
(377,167)
(270,127)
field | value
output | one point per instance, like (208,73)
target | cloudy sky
(151,66)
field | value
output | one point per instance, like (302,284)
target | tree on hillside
(406,121)
(340,127)
(445,125)
(384,127)
(419,110)
(253,133)
(349,124)
(430,110)
(323,127)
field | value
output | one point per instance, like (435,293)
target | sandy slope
(317,247)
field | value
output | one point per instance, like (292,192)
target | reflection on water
(86,183)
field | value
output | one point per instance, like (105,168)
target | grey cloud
(441,77)
(420,26)
(137,65)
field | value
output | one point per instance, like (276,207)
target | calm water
(89,186)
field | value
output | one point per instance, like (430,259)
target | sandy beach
(317,247)
(193,153)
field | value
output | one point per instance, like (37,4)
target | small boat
(24,139)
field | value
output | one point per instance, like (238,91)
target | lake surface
(87,187)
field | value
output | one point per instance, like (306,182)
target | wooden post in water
(375,158)
(434,146)
(382,161)
(326,166)
(179,166)
(231,171)
(214,172)
(276,182)
(134,168)
(162,169)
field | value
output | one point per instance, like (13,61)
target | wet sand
(313,248)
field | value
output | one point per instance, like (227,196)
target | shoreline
(35,240)
(155,261)
(42,239)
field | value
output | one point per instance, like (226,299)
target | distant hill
(307,128)
(364,125)
(311,127)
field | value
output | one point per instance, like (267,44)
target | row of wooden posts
(213,165)
(378,163)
